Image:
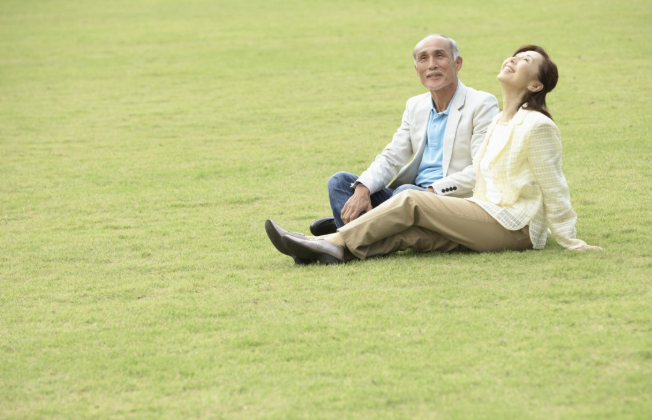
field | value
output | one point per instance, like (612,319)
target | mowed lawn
(143,144)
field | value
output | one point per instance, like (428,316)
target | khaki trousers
(427,222)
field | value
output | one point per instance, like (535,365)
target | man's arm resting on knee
(358,203)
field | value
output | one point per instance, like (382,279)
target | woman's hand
(587,248)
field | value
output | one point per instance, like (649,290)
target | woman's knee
(406,197)
(419,198)
(412,194)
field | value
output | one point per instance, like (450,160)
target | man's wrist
(361,188)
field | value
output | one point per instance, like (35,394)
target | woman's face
(522,71)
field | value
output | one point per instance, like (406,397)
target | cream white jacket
(528,176)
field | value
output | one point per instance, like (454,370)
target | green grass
(143,143)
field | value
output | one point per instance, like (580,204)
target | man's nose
(432,63)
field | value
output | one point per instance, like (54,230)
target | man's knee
(341,179)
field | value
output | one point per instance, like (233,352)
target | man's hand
(430,189)
(359,202)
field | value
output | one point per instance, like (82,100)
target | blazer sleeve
(461,184)
(395,155)
(544,155)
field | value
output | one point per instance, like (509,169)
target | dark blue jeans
(339,192)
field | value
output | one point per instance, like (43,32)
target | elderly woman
(519,197)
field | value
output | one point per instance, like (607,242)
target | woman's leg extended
(449,219)
(416,238)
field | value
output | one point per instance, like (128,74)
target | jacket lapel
(423,117)
(451,125)
(516,120)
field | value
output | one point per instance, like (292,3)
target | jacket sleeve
(544,155)
(461,184)
(395,155)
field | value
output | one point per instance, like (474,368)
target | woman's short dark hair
(548,76)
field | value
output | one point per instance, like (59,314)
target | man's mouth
(434,74)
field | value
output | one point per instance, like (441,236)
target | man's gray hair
(454,48)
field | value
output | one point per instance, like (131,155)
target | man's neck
(442,98)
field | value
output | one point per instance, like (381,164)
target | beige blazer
(470,114)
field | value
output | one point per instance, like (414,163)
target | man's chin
(437,88)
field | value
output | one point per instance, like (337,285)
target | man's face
(435,65)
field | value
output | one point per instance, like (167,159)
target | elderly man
(432,150)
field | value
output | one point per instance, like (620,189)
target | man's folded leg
(323,226)
(339,192)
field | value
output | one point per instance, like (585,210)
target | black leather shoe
(323,226)
(314,250)
(276,233)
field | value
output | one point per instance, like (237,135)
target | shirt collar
(434,110)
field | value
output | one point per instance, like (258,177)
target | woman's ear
(535,87)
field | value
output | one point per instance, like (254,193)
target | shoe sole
(277,241)
(308,254)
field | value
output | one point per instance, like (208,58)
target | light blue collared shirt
(431,168)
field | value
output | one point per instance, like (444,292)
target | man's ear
(458,63)
(535,87)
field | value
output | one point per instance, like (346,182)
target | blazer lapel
(421,117)
(451,126)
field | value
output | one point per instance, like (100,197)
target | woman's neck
(511,103)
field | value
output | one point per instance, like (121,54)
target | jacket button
(454,188)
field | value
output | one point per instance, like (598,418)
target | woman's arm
(544,155)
